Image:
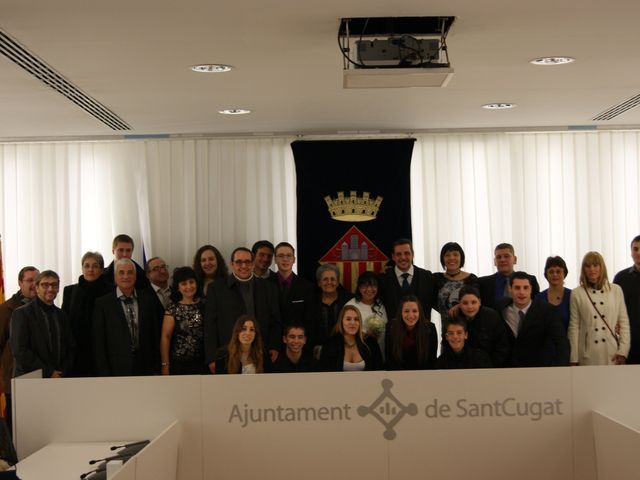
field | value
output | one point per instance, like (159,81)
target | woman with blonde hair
(599,325)
(245,352)
(348,350)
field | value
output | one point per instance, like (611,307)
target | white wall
(558,445)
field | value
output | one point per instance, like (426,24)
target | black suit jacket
(225,305)
(30,341)
(332,354)
(296,304)
(112,339)
(488,290)
(423,286)
(541,341)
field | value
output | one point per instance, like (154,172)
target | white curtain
(61,199)
(547,193)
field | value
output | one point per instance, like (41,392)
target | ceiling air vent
(47,75)
(619,109)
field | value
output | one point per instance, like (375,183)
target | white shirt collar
(399,272)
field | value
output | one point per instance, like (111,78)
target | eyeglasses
(243,262)
(46,285)
(455,334)
(157,268)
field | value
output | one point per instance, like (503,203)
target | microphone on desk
(100,469)
(115,457)
(134,448)
(130,444)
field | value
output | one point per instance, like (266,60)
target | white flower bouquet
(374,325)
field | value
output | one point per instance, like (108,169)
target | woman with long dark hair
(412,341)
(209,266)
(245,352)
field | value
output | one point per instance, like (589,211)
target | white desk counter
(64,461)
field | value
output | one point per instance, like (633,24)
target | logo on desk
(388,410)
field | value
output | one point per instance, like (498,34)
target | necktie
(130,313)
(521,317)
(405,281)
(164,293)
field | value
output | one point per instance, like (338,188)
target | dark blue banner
(353,200)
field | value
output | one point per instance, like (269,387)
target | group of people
(126,320)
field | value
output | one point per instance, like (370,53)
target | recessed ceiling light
(499,106)
(552,60)
(234,111)
(211,68)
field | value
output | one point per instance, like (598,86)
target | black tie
(130,313)
(405,281)
(521,316)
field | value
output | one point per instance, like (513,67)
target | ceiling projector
(393,52)
(397,52)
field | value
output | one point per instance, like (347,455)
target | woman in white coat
(599,325)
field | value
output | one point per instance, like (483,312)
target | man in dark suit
(535,329)
(41,336)
(27,283)
(122,247)
(493,288)
(407,279)
(295,294)
(263,252)
(629,281)
(126,327)
(157,272)
(239,294)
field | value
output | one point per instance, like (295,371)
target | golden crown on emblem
(353,208)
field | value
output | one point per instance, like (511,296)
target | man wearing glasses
(239,294)
(295,294)
(158,275)
(40,333)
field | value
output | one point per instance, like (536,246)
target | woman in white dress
(372,311)
(599,325)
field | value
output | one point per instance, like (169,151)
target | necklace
(454,274)
(350,345)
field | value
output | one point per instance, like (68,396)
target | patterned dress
(187,342)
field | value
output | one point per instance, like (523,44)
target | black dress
(187,342)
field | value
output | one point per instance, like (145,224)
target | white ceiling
(134,56)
